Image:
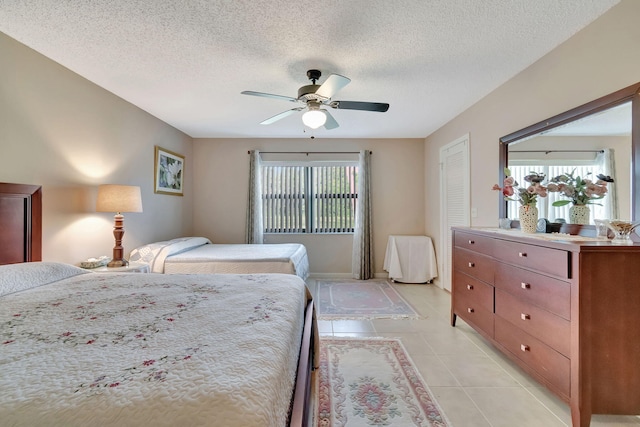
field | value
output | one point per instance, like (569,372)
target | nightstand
(133,267)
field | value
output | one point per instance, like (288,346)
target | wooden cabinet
(566,311)
(475,299)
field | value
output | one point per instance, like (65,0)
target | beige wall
(221,171)
(600,59)
(63,132)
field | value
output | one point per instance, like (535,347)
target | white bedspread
(194,255)
(287,258)
(151,349)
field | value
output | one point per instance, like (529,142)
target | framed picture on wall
(169,172)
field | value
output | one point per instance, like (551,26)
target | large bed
(85,348)
(189,255)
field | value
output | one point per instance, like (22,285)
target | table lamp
(118,199)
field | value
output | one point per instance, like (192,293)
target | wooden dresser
(566,311)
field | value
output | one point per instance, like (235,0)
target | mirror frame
(630,93)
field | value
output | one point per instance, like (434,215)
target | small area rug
(360,299)
(372,381)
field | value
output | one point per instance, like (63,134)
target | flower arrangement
(527,196)
(579,190)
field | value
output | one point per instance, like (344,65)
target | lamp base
(118,263)
(118,251)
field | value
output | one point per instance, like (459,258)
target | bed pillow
(19,277)
(154,254)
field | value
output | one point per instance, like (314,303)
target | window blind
(309,199)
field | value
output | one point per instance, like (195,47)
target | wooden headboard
(20,223)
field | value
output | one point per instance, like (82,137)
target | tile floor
(474,383)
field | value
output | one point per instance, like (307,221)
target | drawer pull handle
(524,347)
(525,316)
(471,265)
(522,254)
(472,242)
(524,285)
(470,287)
(470,310)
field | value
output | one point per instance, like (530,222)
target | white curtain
(607,164)
(362,260)
(254,227)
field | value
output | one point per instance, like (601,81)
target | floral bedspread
(151,349)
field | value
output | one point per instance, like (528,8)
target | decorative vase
(528,218)
(579,214)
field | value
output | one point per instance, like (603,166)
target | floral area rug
(372,382)
(360,299)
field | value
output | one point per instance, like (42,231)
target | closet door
(454,199)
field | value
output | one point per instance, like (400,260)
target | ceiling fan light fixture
(315,96)
(314,118)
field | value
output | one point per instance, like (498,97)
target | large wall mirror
(602,136)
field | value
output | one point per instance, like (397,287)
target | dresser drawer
(547,327)
(471,289)
(474,264)
(474,313)
(544,260)
(551,294)
(548,363)
(473,242)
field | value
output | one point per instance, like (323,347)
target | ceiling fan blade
(363,106)
(332,85)
(331,122)
(269,95)
(281,116)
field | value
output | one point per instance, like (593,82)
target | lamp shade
(314,118)
(119,198)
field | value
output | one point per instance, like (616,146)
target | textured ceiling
(186,62)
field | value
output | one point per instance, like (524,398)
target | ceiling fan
(314,97)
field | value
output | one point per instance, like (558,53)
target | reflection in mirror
(602,136)
(597,144)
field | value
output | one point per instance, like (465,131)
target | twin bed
(199,255)
(84,348)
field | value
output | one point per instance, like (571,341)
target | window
(545,209)
(309,199)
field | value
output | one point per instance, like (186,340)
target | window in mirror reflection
(601,209)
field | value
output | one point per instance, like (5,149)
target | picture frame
(168,172)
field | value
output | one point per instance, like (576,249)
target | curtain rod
(308,152)
(557,151)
